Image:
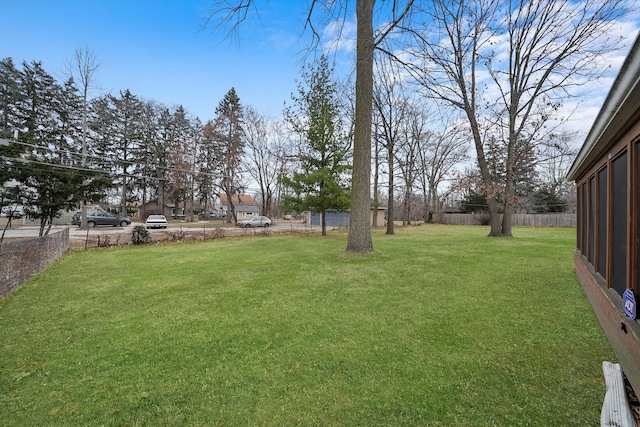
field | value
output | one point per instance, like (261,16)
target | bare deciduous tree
(554,161)
(533,55)
(82,69)
(268,154)
(359,239)
(438,158)
(414,134)
(391,110)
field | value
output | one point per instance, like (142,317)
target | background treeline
(118,149)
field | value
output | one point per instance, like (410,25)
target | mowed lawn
(440,326)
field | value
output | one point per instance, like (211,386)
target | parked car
(101,218)
(256,221)
(156,221)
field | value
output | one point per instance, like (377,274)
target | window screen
(579,218)
(592,221)
(637,184)
(619,224)
(601,219)
(583,218)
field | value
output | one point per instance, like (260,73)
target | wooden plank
(615,409)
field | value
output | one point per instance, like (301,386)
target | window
(579,224)
(637,184)
(591,252)
(583,219)
(618,254)
(601,218)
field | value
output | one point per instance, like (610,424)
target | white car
(256,221)
(156,221)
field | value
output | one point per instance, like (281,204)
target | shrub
(217,233)
(140,235)
(177,236)
(104,241)
(483,218)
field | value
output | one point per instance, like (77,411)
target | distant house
(153,207)
(607,175)
(244,205)
(133,208)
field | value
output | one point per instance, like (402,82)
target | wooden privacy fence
(529,220)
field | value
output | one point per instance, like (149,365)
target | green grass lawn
(440,326)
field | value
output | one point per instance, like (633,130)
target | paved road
(77,233)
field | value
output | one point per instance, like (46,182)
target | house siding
(607,306)
(607,176)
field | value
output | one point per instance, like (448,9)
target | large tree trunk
(494,218)
(161,192)
(391,205)
(434,205)
(506,221)
(508,195)
(231,213)
(376,176)
(123,208)
(407,206)
(359,223)
(487,179)
(323,222)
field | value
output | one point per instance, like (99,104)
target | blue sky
(159,51)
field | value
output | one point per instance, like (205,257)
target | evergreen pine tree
(321,184)
(117,126)
(228,134)
(11,95)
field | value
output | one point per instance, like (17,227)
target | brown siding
(607,305)
(619,269)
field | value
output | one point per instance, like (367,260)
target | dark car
(101,218)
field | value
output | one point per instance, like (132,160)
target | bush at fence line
(140,235)
(104,241)
(177,236)
(217,233)
(484,218)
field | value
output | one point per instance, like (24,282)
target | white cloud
(339,35)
